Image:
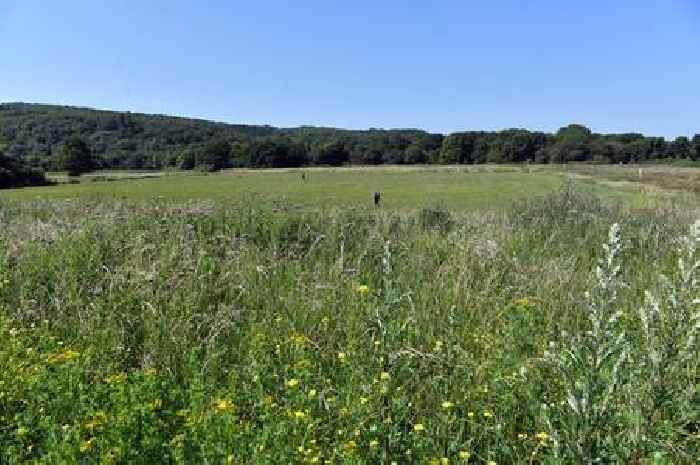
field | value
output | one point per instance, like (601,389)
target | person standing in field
(377,198)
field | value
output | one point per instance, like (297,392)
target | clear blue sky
(623,65)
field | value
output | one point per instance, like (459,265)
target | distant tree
(680,148)
(393,156)
(695,152)
(215,155)
(75,157)
(331,153)
(277,152)
(414,155)
(186,159)
(459,148)
(240,154)
(14,173)
(605,151)
(571,143)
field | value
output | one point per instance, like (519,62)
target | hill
(33,133)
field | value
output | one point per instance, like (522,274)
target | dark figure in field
(303,176)
(377,198)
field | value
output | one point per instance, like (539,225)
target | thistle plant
(589,363)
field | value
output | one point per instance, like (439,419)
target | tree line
(45,137)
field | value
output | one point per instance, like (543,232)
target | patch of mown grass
(404,189)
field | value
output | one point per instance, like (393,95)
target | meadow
(491,316)
(457,188)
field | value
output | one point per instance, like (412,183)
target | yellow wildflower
(341,356)
(444,461)
(464,455)
(363,290)
(363,400)
(98,419)
(292,383)
(385,376)
(223,405)
(299,414)
(230,459)
(86,446)
(418,427)
(470,414)
(374,443)
(117,378)
(488,414)
(62,356)
(447,405)
(312,393)
(522,436)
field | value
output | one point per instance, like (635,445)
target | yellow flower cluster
(62,356)
(447,405)
(292,383)
(86,446)
(223,405)
(118,378)
(542,438)
(97,420)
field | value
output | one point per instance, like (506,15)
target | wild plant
(589,363)
(666,355)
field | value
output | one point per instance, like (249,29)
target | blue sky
(444,66)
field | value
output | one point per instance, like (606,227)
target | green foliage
(214,156)
(14,173)
(75,157)
(437,218)
(147,332)
(137,141)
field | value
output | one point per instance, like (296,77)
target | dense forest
(35,135)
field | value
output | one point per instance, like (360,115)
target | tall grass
(207,333)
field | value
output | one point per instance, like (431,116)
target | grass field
(455,188)
(483,317)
